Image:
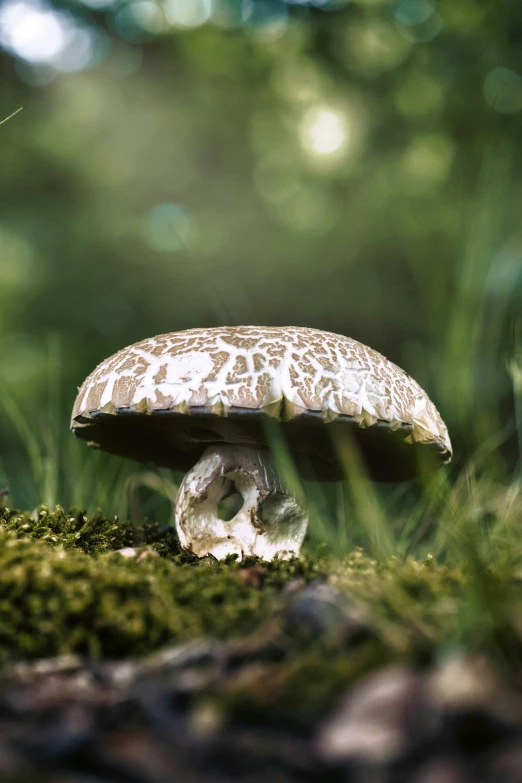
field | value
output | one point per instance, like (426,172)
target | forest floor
(125,659)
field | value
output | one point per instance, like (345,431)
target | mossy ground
(65,589)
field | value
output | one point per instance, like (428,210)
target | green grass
(11,115)
(57,468)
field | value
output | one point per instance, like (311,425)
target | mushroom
(200,400)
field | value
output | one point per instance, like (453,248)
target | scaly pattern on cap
(283,371)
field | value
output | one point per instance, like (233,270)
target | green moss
(94,535)
(64,588)
(57,601)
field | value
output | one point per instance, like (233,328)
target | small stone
(506,766)
(460,682)
(377,722)
(320,611)
(132,551)
(146,554)
(442,771)
(128,551)
(474,700)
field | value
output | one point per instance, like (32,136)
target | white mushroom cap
(165,399)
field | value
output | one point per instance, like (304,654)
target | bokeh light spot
(138,19)
(44,39)
(97,4)
(324,132)
(503,90)
(413,11)
(423,32)
(330,5)
(231,13)
(184,13)
(85,46)
(167,228)
(374,47)
(33,31)
(268,20)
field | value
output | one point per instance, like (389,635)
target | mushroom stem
(233,501)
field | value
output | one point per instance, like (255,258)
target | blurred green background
(351,166)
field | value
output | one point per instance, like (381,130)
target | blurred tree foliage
(348,166)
